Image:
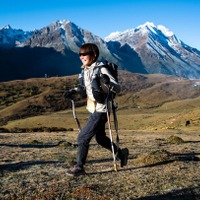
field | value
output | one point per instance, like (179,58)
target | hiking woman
(96,105)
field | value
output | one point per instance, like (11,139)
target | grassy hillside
(32,97)
(145,101)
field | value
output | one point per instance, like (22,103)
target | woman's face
(86,58)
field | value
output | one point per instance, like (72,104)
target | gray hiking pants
(95,126)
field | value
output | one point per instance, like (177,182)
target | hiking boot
(76,171)
(124,157)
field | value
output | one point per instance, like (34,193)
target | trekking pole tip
(115,167)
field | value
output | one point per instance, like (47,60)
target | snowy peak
(61,23)
(142,34)
(153,28)
(147,27)
(147,24)
(145,49)
(144,29)
(6,27)
(165,31)
(117,36)
(160,50)
(10,37)
(63,35)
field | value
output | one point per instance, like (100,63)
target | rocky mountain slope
(53,50)
(160,50)
(10,37)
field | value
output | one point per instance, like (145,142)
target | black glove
(98,96)
(105,79)
(70,93)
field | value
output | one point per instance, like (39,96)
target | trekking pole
(114,107)
(110,130)
(74,114)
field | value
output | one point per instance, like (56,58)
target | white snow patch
(165,31)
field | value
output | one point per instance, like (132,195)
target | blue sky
(102,17)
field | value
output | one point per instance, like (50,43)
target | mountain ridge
(147,49)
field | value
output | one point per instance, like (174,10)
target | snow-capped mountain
(11,37)
(160,50)
(63,35)
(53,50)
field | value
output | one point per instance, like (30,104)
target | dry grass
(33,166)
(171,115)
(152,115)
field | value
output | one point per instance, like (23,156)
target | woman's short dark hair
(90,48)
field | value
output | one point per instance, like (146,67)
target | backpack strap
(81,79)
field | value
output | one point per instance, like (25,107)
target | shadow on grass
(183,194)
(108,159)
(190,141)
(36,145)
(22,165)
(175,157)
(187,156)
(130,169)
